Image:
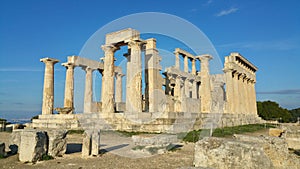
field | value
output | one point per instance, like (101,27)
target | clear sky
(266,32)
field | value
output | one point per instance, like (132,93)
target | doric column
(88,92)
(241,94)
(48,92)
(193,66)
(118,94)
(187,88)
(229,91)
(108,78)
(69,86)
(205,87)
(177,94)
(236,91)
(177,60)
(253,97)
(194,90)
(246,96)
(153,79)
(134,89)
(177,88)
(186,64)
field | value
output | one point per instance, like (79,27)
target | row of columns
(48,91)
(186,64)
(240,89)
(183,84)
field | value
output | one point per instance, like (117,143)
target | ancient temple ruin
(173,100)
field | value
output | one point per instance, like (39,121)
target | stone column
(177,94)
(69,86)
(186,64)
(118,94)
(187,88)
(229,91)
(177,60)
(241,94)
(253,98)
(193,66)
(246,96)
(88,92)
(108,78)
(205,87)
(48,93)
(194,90)
(153,78)
(236,91)
(134,92)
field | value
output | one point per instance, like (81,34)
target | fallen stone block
(220,153)
(57,142)
(158,140)
(275,132)
(275,148)
(33,145)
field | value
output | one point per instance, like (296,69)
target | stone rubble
(245,152)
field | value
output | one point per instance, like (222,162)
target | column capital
(111,48)
(47,60)
(68,65)
(87,69)
(117,74)
(205,57)
(136,43)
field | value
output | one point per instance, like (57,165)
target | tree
(269,110)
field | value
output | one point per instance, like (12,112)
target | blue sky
(266,32)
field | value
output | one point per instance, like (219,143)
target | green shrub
(46,157)
(195,135)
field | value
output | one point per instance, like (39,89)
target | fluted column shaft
(186,64)
(134,85)
(108,78)
(193,66)
(205,87)
(229,92)
(236,91)
(88,92)
(118,94)
(48,91)
(69,86)
(177,60)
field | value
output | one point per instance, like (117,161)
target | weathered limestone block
(95,143)
(86,144)
(90,143)
(33,145)
(2,149)
(15,141)
(159,140)
(292,136)
(224,154)
(57,142)
(275,132)
(275,148)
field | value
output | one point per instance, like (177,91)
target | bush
(46,157)
(196,135)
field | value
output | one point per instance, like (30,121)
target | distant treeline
(269,110)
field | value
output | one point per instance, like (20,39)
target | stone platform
(145,122)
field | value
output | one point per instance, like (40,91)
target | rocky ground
(113,155)
(116,152)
